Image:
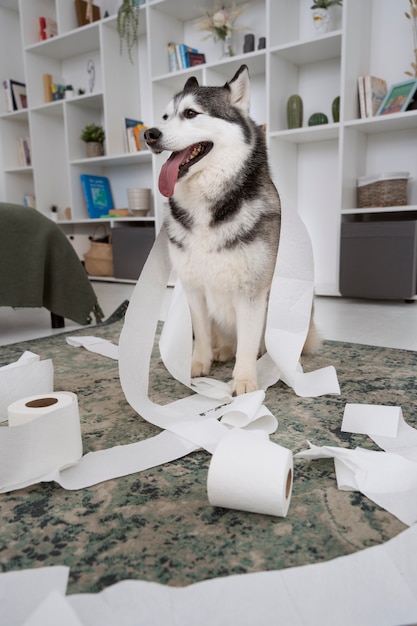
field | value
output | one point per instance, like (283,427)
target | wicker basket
(384,190)
(98,261)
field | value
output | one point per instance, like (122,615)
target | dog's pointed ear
(192,83)
(239,88)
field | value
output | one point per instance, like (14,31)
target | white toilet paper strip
(25,377)
(388,478)
(193,422)
(385,425)
(374,587)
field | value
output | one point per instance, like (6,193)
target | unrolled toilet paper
(249,472)
(43,436)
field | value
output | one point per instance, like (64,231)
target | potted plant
(93,135)
(69,91)
(128,24)
(325,14)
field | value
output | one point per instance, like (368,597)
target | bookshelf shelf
(314,168)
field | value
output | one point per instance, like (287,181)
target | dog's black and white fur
(224,222)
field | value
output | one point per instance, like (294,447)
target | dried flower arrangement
(220,24)
(412,16)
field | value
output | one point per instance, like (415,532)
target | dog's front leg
(202,352)
(250,319)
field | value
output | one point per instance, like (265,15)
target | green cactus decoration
(336,109)
(318,118)
(294,111)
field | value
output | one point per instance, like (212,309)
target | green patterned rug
(158,525)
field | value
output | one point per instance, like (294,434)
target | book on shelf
(97,195)
(134,130)
(24,151)
(372,91)
(8,96)
(47,28)
(15,94)
(181,56)
(29,200)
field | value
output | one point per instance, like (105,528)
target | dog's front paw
(241,386)
(200,369)
(223,354)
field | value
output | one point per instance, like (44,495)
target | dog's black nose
(152,135)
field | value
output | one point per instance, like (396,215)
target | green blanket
(40,267)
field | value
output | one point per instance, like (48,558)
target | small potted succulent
(325,14)
(93,135)
(68,91)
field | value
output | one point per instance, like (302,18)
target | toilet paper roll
(44,436)
(248,472)
(32,407)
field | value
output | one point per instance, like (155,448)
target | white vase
(227,47)
(326,20)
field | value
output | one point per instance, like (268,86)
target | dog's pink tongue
(169,172)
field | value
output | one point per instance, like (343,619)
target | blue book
(97,194)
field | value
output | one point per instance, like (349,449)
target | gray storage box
(379,260)
(131,246)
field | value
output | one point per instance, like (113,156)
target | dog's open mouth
(179,163)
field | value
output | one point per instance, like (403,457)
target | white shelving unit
(314,168)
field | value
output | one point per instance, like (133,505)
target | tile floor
(380,323)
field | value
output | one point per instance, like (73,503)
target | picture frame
(19,97)
(398,97)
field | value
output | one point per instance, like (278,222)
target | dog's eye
(165,117)
(190,113)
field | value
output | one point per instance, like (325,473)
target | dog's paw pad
(200,369)
(243,386)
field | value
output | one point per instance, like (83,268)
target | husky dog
(224,221)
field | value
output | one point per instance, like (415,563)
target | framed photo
(398,97)
(19,97)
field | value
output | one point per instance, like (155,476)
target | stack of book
(134,130)
(372,91)
(181,56)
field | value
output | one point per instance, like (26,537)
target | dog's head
(199,122)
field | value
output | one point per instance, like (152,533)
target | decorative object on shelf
(221,25)
(398,97)
(412,16)
(262,43)
(318,118)
(139,201)
(93,135)
(87,12)
(54,213)
(294,111)
(325,14)
(127,25)
(249,43)
(336,109)
(69,92)
(383,190)
(91,71)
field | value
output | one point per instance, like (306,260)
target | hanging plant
(127,25)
